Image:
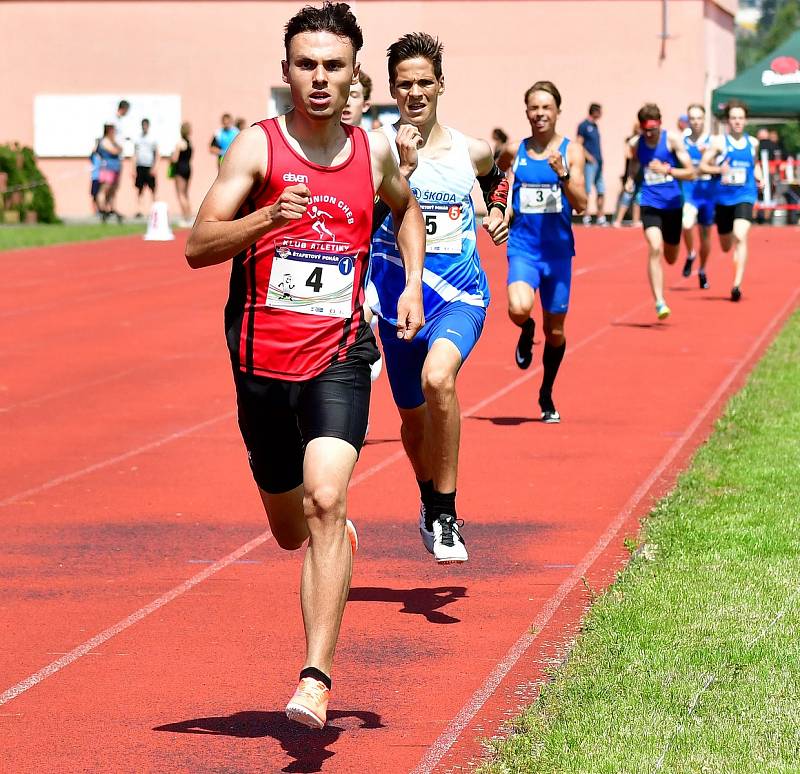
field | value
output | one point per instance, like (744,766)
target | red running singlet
(296,297)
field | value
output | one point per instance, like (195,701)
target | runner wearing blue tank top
(547,185)
(662,157)
(699,196)
(441,165)
(733,156)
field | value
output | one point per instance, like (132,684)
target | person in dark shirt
(588,135)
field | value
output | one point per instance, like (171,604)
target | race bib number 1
(312,282)
(442,228)
(735,176)
(540,199)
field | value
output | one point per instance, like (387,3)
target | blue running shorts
(552,278)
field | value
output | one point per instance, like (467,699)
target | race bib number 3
(735,176)
(540,199)
(312,282)
(442,228)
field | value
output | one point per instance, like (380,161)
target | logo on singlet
(318,217)
(291,177)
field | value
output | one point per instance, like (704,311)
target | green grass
(12,237)
(706,616)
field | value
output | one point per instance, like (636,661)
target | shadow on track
(307,746)
(505,421)
(420,601)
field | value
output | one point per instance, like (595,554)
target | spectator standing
(145,151)
(221,141)
(182,171)
(95,160)
(110,153)
(589,137)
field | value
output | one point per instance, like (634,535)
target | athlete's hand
(409,140)
(659,167)
(410,313)
(556,162)
(496,224)
(291,204)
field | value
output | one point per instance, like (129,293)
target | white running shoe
(448,545)
(427,535)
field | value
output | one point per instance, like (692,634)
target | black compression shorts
(725,214)
(670,222)
(278,418)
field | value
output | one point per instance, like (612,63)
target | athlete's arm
(635,165)
(687,170)
(216,236)
(716,145)
(495,189)
(409,229)
(575,187)
(757,170)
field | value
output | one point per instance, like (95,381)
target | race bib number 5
(442,228)
(312,282)
(540,199)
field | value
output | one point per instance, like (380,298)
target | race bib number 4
(312,282)
(442,228)
(734,176)
(540,199)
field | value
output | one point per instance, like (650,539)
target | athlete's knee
(438,381)
(555,336)
(671,253)
(518,313)
(324,501)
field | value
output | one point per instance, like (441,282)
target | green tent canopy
(770,88)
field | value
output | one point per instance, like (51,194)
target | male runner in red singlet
(300,348)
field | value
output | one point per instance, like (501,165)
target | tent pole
(664,28)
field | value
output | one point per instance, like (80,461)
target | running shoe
(602,220)
(687,267)
(524,352)
(702,280)
(586,220)
(309,705)
(551,417)
(352,534)
(448,545)
(736,293)
(662,310)
(426,534)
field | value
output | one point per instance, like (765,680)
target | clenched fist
(409,140)
(291,204)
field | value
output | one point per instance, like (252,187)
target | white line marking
(112,460)
(112,631)
(454,729)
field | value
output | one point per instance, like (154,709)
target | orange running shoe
(309,705)
(353,535)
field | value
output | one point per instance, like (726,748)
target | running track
(149,623)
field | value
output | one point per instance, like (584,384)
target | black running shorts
(670,222)
(278,418)
(145,179)
(725,214)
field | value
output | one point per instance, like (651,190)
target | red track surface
(123,476)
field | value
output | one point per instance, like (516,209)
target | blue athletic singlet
(704,188)
(542,224)
(738,184)
(660,191)
(452,271)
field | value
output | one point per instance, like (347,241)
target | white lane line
(454,729)
(104,636)
(113,460)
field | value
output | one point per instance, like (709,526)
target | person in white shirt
(146,158)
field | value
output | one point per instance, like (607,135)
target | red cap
(650,123)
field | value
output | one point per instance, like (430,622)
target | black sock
(440,503)
(551,361)
(317,675)
(425,491)
(528,326)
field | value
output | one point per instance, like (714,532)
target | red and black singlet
(296,297)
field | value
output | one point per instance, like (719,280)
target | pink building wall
(225,56)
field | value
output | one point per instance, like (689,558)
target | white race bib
(734,176)
(311,281)
(651,177)
(442,228)
(540,199)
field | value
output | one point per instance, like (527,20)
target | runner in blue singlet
(441,165)
(547,185)
(663,159)
(733,156)
(699,196)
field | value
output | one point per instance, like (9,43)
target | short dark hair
(413,45)
(336,18)
(595,107)
(736,103)
(123,104)
(696,106)
(649,112)
(366,84)
(547,86)
(146,121)
(499,135)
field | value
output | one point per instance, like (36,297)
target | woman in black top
(182,171)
